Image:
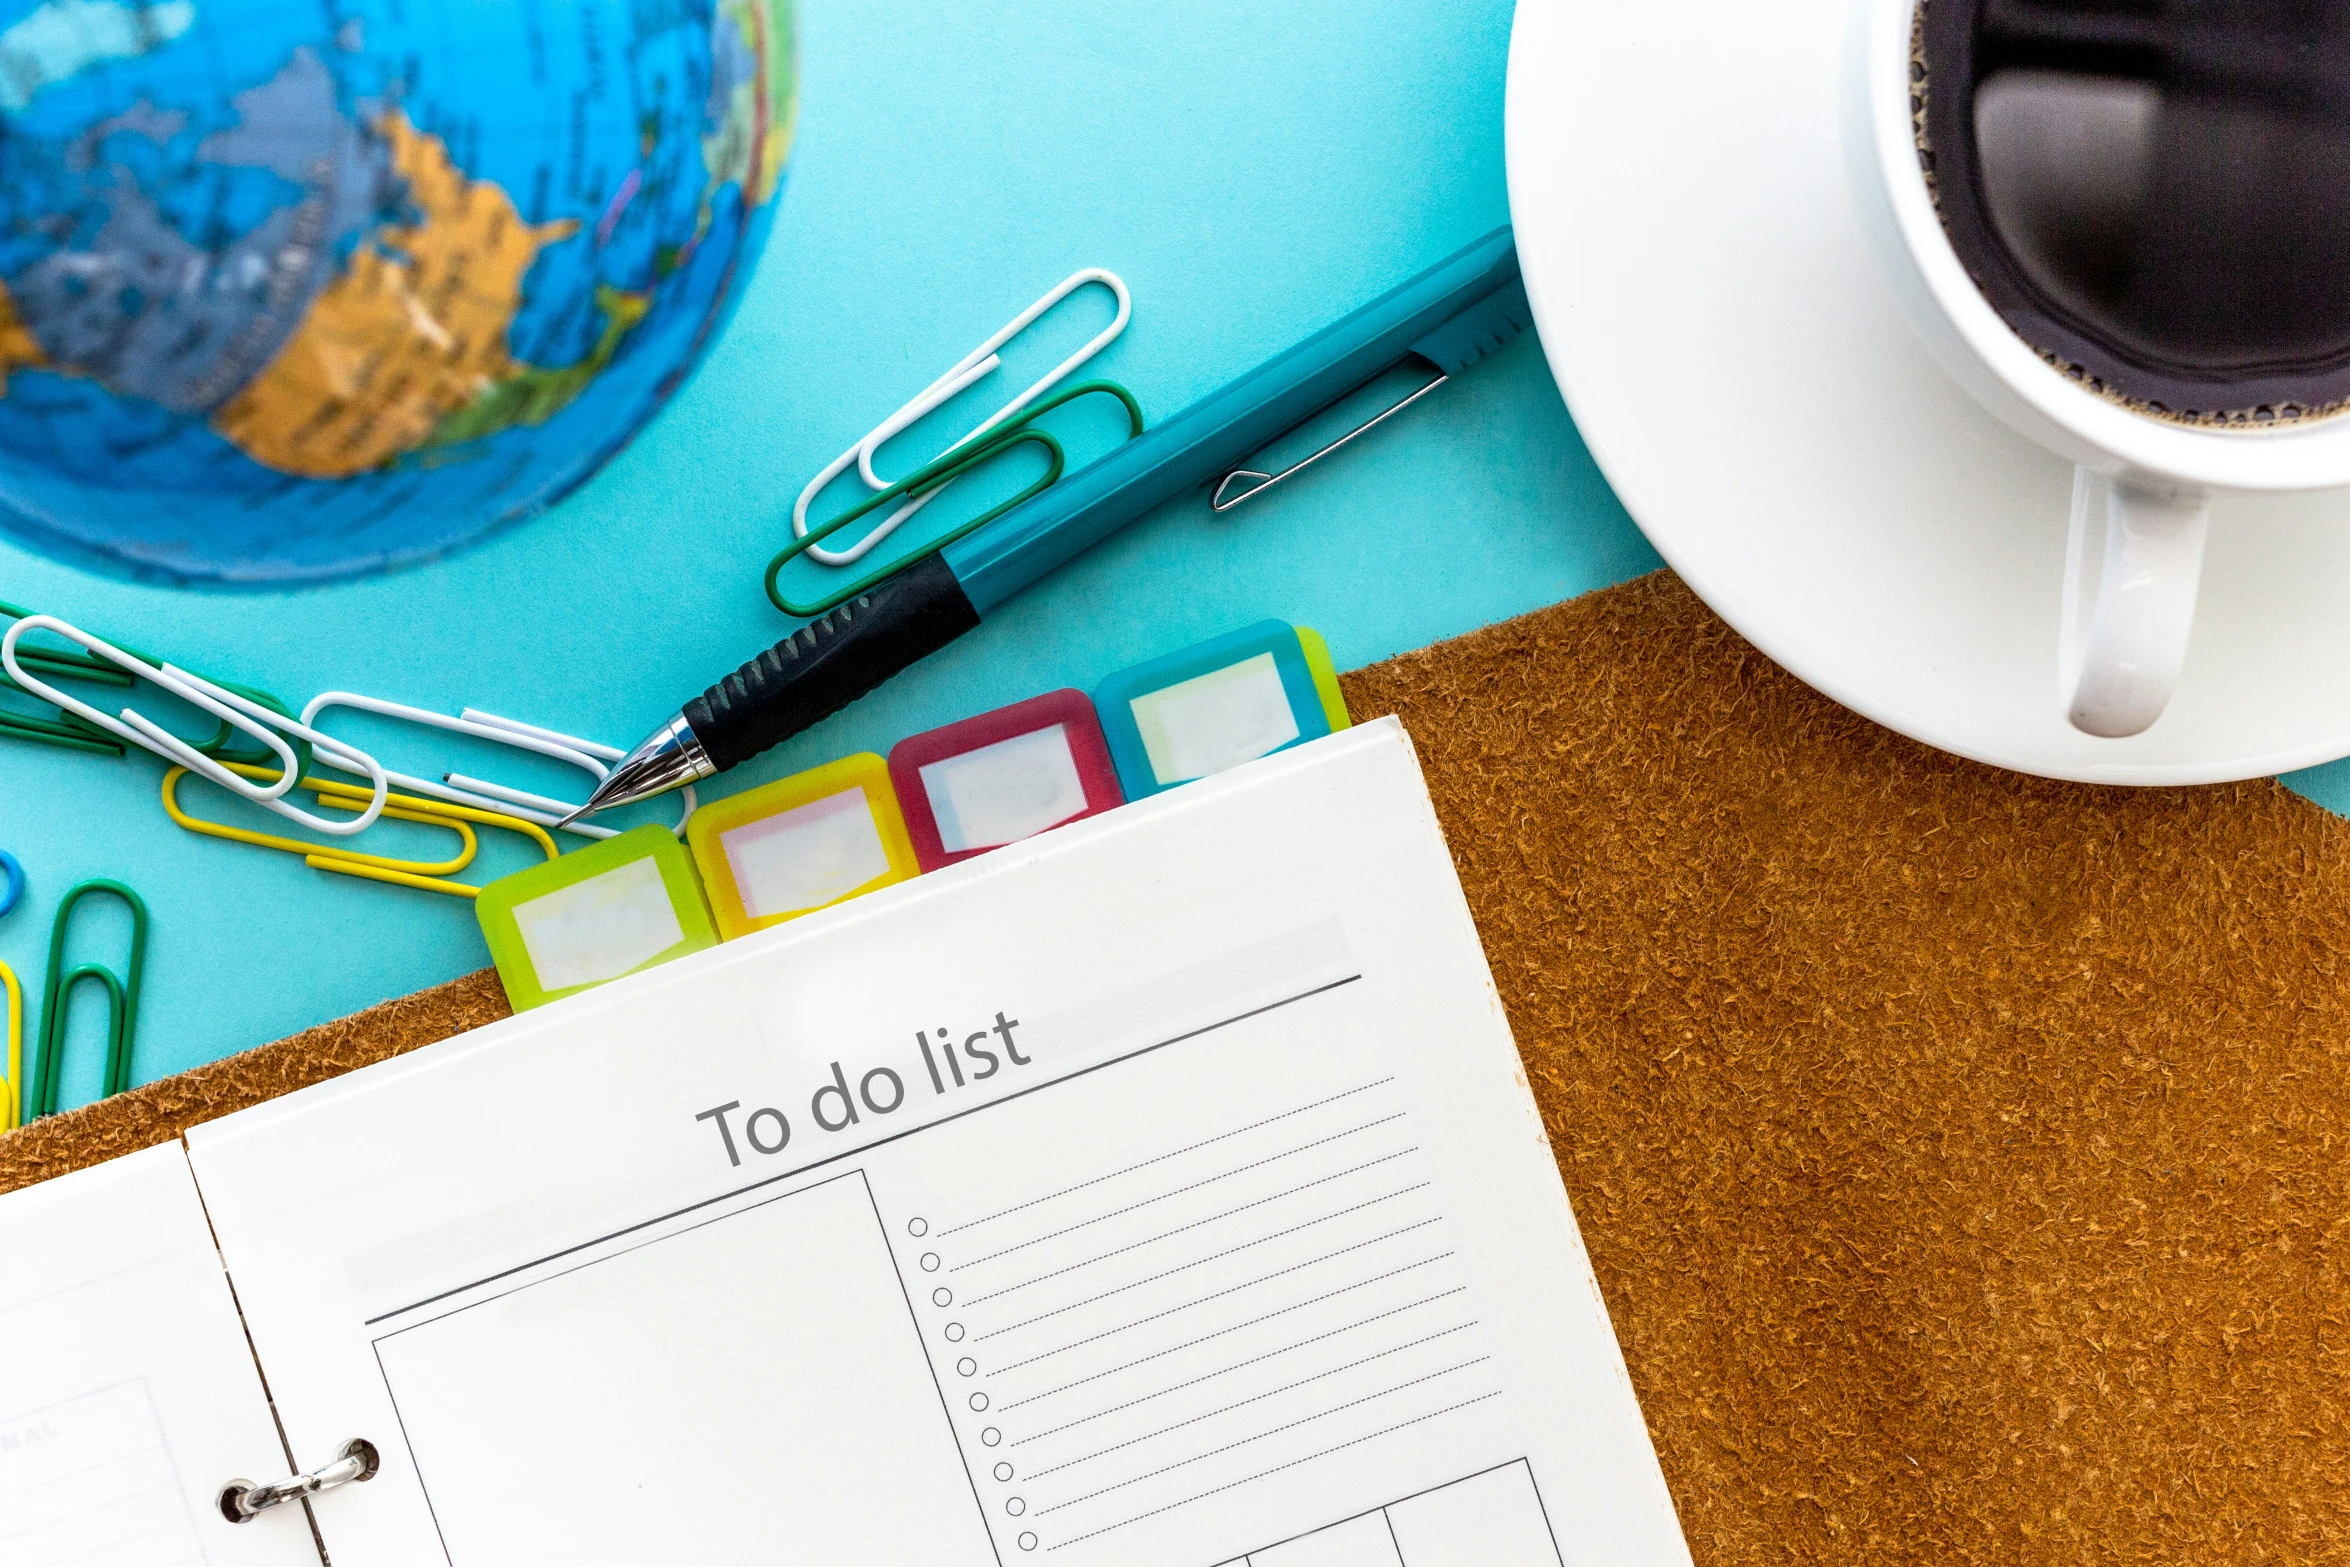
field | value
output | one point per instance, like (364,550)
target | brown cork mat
(162,1110)
(1965,1158)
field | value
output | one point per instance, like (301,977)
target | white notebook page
(128,1396)
(1160,1191)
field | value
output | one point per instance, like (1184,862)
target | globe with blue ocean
(297,292)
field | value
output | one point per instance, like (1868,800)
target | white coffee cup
(2142,486)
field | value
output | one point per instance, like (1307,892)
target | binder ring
(241,1501)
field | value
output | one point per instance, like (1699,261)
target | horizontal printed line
(969,1224)
(1335,1409)
(1204,1338)
(1116,1213)
(1220,1294)
(1291,1427)
(1252,1360)
(179,1523)
(1182,1229)
(1256,1398)
(1277,1468)
(154,1451)
(863,1149)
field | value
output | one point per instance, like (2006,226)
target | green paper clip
(65,731)
(122,999)
(71,733)
(1015,429)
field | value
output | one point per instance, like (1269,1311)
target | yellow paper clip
(11,890)
(9,1113)
(427,875)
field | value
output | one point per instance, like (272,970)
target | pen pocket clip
(1225,497)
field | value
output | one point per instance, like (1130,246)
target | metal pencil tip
(670,758)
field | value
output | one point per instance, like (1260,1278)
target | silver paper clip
(965,371)
(456,788)
(237,711)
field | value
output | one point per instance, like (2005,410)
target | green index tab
(595,914)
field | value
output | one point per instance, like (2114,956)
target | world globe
(293,291)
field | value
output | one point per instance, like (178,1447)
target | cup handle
(2127,608)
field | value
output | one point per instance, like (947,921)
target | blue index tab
(1225,701)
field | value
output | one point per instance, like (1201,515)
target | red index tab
(979,784)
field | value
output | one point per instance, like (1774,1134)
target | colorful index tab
(1226,701)
(985,782)
(1325,673)
(612,908)
(801,844)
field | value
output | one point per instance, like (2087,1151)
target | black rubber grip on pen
(830,662)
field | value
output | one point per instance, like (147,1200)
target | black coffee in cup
(2155,194)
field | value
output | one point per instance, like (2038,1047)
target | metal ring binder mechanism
(241,1501)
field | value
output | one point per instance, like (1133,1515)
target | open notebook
(1164,1190)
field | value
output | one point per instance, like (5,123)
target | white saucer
(1716,318)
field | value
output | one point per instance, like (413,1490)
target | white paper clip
(966,370)
(237,711)
(586,755)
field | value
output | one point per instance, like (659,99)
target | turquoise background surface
(1253,172)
